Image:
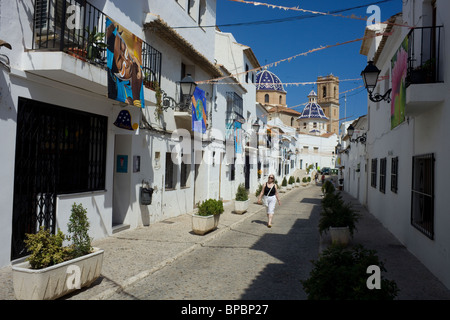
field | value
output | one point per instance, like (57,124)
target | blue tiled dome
(266,80)
(312,110)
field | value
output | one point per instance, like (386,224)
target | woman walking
(270,192)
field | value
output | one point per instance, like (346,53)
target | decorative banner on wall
(123,121)
(124,62)
(199,111)
(399,65)
(238,136)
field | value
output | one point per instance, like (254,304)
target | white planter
(58,280)
(289,186)
(241,206)
(204,224)
(283,189)
(340,235)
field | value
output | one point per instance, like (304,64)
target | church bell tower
(328,99)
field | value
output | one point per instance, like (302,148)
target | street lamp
(351,130)
(370,76)
(187,87)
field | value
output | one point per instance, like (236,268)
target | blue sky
(289,38)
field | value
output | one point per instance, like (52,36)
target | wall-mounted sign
(123,121)
(136,163)
(122,164)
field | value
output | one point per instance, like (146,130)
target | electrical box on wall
(146,196)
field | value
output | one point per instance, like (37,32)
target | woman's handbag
(265,203)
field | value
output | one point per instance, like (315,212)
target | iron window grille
(422,194)
(373,173)
(424,55)
(383,175)
(170,172)
(394,174)
(58,151)
(235,107)
(184,173)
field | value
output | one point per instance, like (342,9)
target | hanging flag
(199,111)
(238,137)
(124,62)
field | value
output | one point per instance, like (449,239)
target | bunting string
(352,16)
(274,64)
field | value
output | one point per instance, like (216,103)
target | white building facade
(407,149)
(66,141)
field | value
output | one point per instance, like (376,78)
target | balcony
(424,81)
(69,45)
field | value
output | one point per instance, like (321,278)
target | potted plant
(341,274)
(207,217)
(283,185)
(291,182)
(337,217)
(241,202)
(95,45)
(52,269)
(327,187)
(304,182)
(297,182)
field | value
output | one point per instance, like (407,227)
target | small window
(233,170)
(170,184)
(373,173)
(266,98)
(394,174)
(246,73)
(184,174)
(422,194)
(383,175)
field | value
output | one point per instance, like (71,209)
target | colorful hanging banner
(238,137)
(199,111)
(399,66)
(124,62)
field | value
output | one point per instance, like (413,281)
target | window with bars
(233,170)
(422,194)
(373,173)
(394,174)
(170,172)
(184,174)
(235,107)
(383,175)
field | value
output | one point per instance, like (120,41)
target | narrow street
(250,261)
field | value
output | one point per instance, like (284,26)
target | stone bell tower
(328,99)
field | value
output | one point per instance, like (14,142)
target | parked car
(325,170)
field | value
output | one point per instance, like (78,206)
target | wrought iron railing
(79,29)
(425,55)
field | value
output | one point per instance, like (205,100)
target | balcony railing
(78,28)
(424,55)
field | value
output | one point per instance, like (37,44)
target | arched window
(266,98)
(335,92)
(280,100)
(324,91)
(292,121)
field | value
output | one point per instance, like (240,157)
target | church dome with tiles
(313,120)
(266,80)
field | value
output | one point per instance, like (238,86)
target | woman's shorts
(271,201)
